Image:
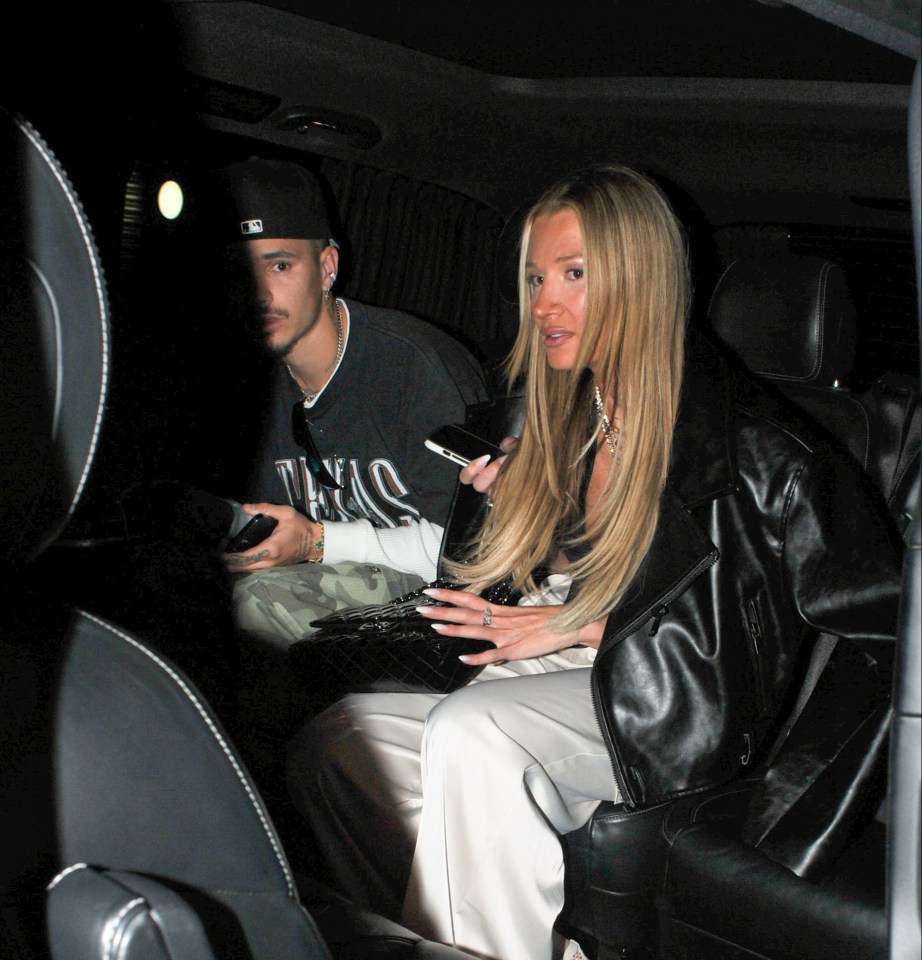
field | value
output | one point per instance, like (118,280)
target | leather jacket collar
(702,466)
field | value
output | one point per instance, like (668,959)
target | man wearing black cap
(359,500)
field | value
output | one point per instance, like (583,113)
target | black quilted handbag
(387,647)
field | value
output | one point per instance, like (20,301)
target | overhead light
(170,199)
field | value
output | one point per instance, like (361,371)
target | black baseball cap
(273,199)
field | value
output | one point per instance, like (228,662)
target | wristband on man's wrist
(317,547)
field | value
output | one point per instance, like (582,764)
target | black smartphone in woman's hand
(460,445)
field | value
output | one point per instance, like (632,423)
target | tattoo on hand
(238,560)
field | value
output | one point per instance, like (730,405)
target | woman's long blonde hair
(637,293)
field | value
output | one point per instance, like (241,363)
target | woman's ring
(487,616)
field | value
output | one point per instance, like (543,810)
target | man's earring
(332,279)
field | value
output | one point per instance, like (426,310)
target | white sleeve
(413,548)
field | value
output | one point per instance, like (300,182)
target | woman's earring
(332,279)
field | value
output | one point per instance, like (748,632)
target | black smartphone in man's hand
(256,530)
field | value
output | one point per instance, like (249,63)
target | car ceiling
(755,110)
(626,38)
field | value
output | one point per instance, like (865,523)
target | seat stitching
(80,217)
(209,722)
(109,931)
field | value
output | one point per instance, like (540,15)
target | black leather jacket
(765,532)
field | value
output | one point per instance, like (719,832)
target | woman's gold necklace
(610,432)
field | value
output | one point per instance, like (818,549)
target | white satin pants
(453,805)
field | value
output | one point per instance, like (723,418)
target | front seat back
(54,323)
(118,780)
(55,331)
(148,785)
(94,719)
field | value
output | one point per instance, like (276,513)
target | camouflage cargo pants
(278,604)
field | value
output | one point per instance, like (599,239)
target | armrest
(720,891)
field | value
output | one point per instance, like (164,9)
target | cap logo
(251,226)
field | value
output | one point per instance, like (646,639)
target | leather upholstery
(789,319)
(725,898)
(55,329)
(54,325)
(150,783)
(150,788)
(148,919)
(144,919)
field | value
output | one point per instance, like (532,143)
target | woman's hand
(292,541)
(518,633)
(482,472)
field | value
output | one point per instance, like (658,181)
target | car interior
(146,815)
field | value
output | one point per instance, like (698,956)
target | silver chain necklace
(340,343)
(610,432)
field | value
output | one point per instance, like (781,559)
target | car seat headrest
(788,318)
(54,325)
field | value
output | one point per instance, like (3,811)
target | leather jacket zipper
(754,631)
(629,795)
(658,619)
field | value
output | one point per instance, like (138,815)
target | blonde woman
(688,531)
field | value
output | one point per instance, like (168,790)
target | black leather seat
(802,873)
(121,790)
(740,860)
(169,849)
(790,320)
(54,327)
